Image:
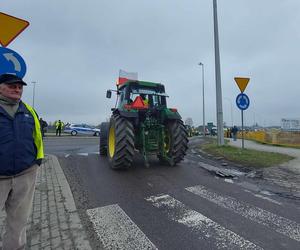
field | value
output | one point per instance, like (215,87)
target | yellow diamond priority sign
(10,28)
(242,82)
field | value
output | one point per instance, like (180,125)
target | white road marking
(228,180)
(280,224)
(67,155)
(267,198)
(116,230)
(83,154)
(200,225)
(263,197)
(266,192)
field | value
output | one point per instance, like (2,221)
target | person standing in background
(234,132)
(44,126)
(59,125)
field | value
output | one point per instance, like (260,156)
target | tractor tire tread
(180,140)
(124,143)
(103,138)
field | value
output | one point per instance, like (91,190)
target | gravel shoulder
(285,175)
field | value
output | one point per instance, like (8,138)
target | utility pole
(231,115)
(203,102)
(218,78)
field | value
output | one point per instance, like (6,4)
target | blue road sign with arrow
(11,63)
(242,101)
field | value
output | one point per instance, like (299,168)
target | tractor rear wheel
(176,141)
(103,138)
(120,142)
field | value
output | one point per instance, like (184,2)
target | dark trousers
(234,136)
(43,132)
(58,131)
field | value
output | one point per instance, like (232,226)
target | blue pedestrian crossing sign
(242,101)
(11,63)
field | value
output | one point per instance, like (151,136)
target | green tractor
(142,122)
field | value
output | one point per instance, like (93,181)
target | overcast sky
(74,49)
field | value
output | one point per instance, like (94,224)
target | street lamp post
(218,78)
(203,102)
(229,100)
(33,93)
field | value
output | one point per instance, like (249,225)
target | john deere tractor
(141,121)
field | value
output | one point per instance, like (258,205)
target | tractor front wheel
(120,142)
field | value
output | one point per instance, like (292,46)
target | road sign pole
(242,129)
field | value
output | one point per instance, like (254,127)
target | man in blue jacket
(21,152)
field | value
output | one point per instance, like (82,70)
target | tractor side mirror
(108,94)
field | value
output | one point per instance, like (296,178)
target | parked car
(206,131)
(84,129)
(214,131)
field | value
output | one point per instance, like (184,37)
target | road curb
(54,222)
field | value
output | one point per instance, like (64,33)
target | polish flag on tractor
(124,76)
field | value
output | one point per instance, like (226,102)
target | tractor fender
(126,114)
(170,115)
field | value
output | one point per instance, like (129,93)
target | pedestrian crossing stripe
(200,224)
(280,224)
(116,230)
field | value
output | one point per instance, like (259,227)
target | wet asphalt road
(60,146)
(230,213)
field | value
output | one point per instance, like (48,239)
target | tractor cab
(140,95)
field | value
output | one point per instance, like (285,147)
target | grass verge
(246,157)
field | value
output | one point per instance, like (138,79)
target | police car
(84,129)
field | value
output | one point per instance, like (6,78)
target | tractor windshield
(149,95)
(153,96)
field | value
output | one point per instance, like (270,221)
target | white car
(84,129)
